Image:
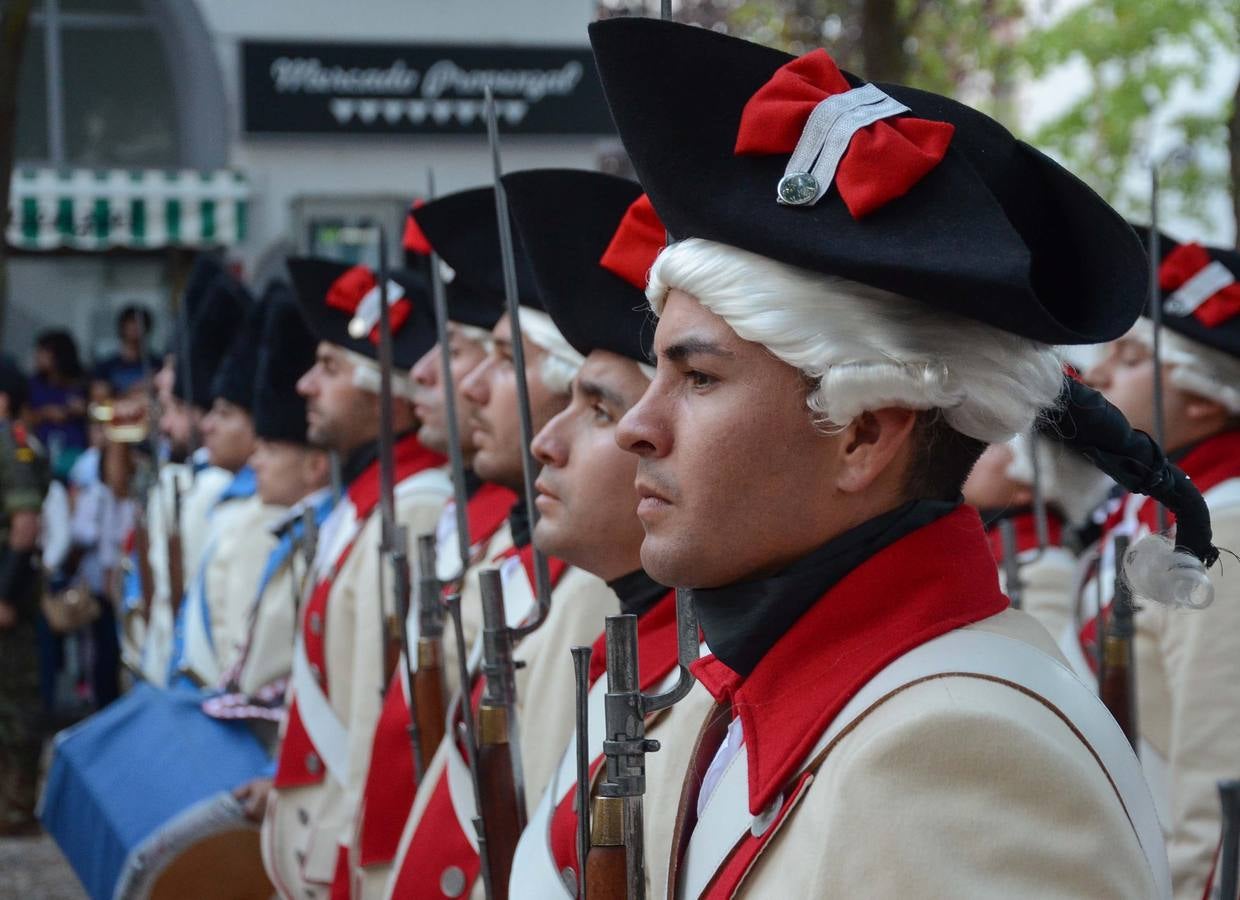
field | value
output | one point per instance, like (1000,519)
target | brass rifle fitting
(607,822)
(430,653)
(492,725)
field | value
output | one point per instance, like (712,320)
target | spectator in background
(56,410)
(118,374)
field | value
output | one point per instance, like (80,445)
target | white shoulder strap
(966,652)
(1223,495)
(325,730)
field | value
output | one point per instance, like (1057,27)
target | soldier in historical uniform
(591,239)
(24,478)
(863,292)
(473,308)
(214,308)
(213,620)
(434,849)
(1187,666)
(339,668)
(289,473)
(1003,487)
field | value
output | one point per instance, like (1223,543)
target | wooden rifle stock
(1117,679)
(428,692)
(607,861)
(504,820)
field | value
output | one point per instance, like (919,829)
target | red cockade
(1180,266)
(637,241)
(884,160)
(350,289)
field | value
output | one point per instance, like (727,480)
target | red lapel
(486,511)
(939,578)
(409,457)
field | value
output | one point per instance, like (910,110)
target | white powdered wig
(479,336)
(1194,366)
(366,376)
(1069,481)
(866,348)
(1155,570)
(560,362)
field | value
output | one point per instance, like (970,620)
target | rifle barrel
(1117,679)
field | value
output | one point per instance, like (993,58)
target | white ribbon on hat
(1198,289)
(825,139)
(537,326)
(366,316)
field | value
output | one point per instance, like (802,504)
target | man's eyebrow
(596,391)
(680,350)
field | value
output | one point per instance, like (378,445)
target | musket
(625,744)
(581,686)
(1041,522)
(455,454)
(1117,679)
(393,539)
(1013,582)
(426,681)
(1228,880)
(176,552)
(503,809)
(529,468)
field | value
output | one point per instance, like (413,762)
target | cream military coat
(955,787)
(546,698)
(306,825)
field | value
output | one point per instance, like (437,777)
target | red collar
(409,457)
(1208,464)
(487,509)
(1026,533)
(939,578)
(657,644)
(555,567)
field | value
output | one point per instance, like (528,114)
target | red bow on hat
(883,161)
(637,241)
(1178,268)
(348,291)
(414,239)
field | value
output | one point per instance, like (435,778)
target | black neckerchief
(743,621)
(472,483)
(358,460)
(638,592)
(519,524)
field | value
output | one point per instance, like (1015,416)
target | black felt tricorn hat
(334,296)
(568,219)
(222,310)
(1199,287)
(234,380)
(996,231)
(467,303)
(288,352)
(464,231)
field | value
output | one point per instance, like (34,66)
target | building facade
(151,130)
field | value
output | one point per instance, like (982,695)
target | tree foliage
(1130,61)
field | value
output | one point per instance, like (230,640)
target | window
(95,88)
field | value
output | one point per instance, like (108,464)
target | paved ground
(32,868)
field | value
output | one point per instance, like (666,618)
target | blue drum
(138,797)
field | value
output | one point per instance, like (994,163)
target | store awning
(91,209)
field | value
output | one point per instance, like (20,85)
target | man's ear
(871,445)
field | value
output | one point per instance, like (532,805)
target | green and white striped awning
(89,209)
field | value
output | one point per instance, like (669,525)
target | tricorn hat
(889,186)
(288,352)
(222,307)
(1200,292)
(591,239)
(341,306)
(464,231)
